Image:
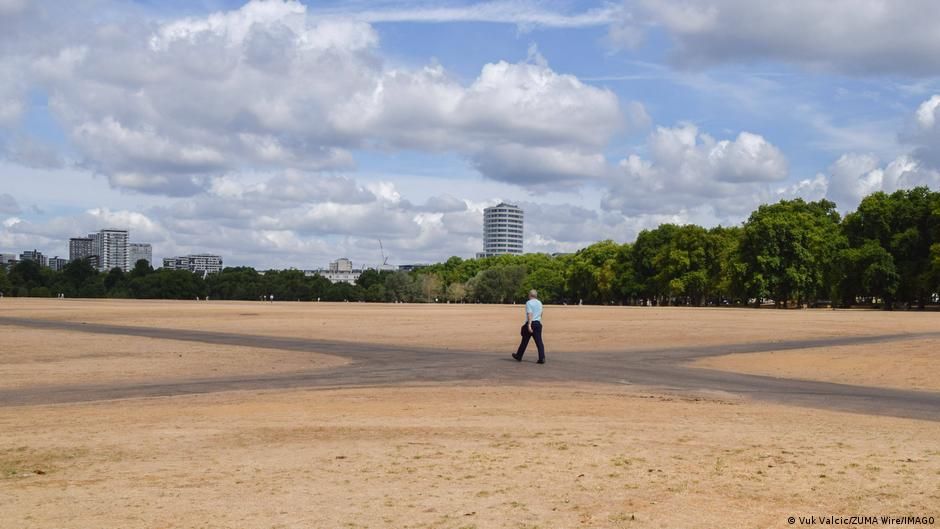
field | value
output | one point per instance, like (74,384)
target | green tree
(789,250)
(375,293)
(431,287)
(26,276)
(80,279)
(546,274)
(242,283)
(498,284)
(681,264)
(400,286)
(906,224)
(725,270)
(648,246)
(141,268)
(867,271)
(369,277)
(114,280)
(5,285)
(934,276)
(456,292)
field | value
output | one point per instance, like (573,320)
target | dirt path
(384,365)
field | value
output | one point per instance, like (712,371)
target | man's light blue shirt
(535,307)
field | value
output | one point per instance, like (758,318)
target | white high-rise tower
(502,230)
(111,249)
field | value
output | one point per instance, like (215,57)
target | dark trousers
(537,334)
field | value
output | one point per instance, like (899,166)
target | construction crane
(384,257)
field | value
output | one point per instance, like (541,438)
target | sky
(285,134)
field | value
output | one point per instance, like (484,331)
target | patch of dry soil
(478,457)
(913,364)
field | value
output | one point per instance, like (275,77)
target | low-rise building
(201,263)
(339,271)
(35,256)
(8,259)
(137,251)
(343,264)
(207,263)
(57,263)
(411,267)
(176,263)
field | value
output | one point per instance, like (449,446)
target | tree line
(792,253)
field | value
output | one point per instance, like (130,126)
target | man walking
(532,328)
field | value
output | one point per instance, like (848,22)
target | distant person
(272,298)
(532,328)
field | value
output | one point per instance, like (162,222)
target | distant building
(81,248)
(411,267)
(111,249)
(207,263)
(197,263)
(502,230)
(339,271)
(8,259)
(137,251)
(35,256)
(57,263)
(342,264)
(176,263)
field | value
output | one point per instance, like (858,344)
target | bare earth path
(386,365)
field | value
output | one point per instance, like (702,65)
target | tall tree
(789,250)
(5,284)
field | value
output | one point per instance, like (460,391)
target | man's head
(533,294)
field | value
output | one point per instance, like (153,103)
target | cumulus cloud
(168,107)
(853,176)
(510,115)
(687,167)
(923,133)
(878,36)
(927,113)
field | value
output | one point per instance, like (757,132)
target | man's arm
(528,319)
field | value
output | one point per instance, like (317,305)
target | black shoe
(542,361)
(517,356)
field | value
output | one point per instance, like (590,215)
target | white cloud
(167,108)
(511,115)
(688,167)
(522,13)
(923,134)
(876,36)
(927,112)
(854,176)
(810,189)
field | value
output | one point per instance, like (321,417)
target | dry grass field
(32,357)
(477,455)
(481,327)
(911,364)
